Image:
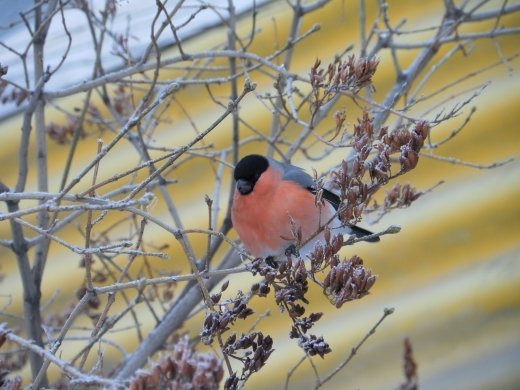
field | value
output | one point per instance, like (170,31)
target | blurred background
(452,274)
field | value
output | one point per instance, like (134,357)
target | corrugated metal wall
(453,272)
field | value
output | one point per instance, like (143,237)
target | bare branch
(355,350)
(76,375)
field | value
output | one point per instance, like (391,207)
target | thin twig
(75,374)
(355,350)
(456,161)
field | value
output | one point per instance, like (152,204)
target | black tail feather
(360,233)
(335,201)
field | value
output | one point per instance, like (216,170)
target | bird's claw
(269,260)
(291,250)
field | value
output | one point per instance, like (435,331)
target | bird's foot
(292,250)
(269,260)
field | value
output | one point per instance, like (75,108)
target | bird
(272,198)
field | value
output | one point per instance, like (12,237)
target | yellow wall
(453,272)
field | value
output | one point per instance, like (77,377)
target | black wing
(335,201)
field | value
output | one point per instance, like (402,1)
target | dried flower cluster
(349,178)
(342,75)
(11,95)
(410,368)
(181,369)
(373,152)
(401,196)
(408,143)
(62,134)
(314,345)
(326,254)
(254,348)
(290,284)
(122,101)
(348,281)
(218,321)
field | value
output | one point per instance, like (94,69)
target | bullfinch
(272,198)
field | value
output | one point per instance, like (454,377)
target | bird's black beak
(244,186)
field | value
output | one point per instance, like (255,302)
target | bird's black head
(247,172)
